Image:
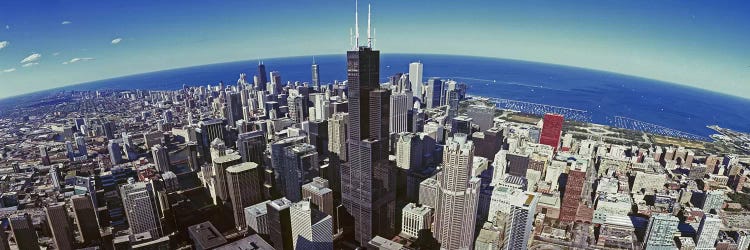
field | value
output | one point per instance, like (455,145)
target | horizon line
(395,53)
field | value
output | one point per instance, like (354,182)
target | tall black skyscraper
(262,76)
(434,95)
(23,231)
(280,224)
(367,182)
(109,130)
(234,108)
(251,146)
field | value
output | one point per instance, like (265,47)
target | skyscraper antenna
(373,37)
(351,38)
(356,23)
(369,37)
(313,59)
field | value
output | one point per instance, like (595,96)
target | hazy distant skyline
(48,44)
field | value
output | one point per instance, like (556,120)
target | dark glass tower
(280,224)
(367,182)
(262,76)
(234,108)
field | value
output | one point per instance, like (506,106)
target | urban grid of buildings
(402,164)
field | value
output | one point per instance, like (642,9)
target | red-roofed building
(551,130)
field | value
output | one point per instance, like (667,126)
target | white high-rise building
(415,77)
(714,200)
(295,106)
(315,75)
(403,83)
(140,208)
(587,148)
(414,218)
(500,200)
(520,220)
(311,228)
(399,112)
(409,151)
(126,140)
(553,173)
(708,232)
(337,131)
(321,105)
(55,176)
(498,167)
(660,232)
(458,195)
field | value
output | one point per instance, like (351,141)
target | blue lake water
(603,94)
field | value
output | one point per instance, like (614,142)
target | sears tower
(367,182)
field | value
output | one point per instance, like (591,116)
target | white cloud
(4,44)
(66,22)
(30,64)
(78,59)
(116,40)
(9,70)
(7,27)
(56,54)
(32,58)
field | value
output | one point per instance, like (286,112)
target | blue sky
(61,42)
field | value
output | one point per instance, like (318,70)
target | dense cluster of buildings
(406,164)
